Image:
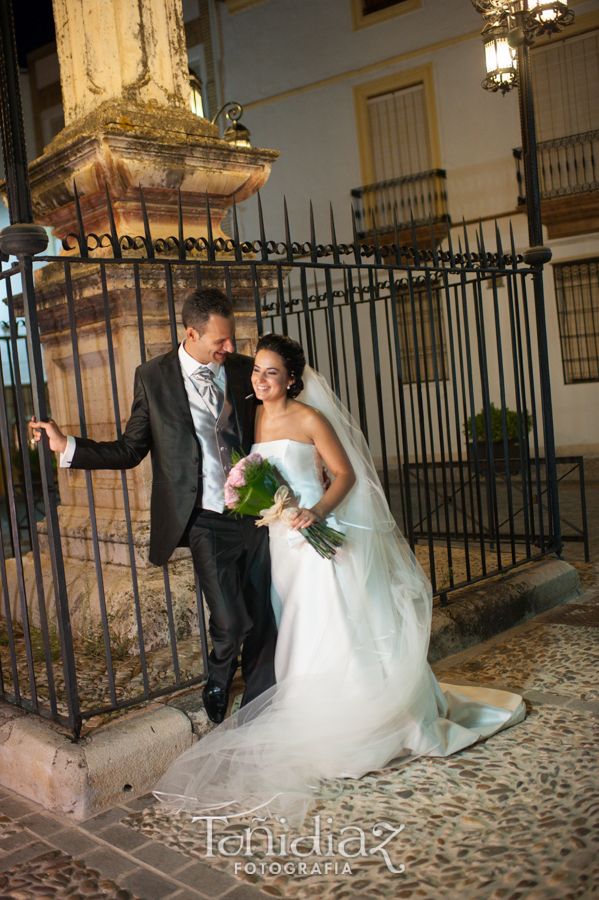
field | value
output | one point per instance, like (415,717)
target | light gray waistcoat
(218,438)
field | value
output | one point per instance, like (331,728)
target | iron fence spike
(262,230)
(209,232)
(483,249)
(375,236)
(467,244)
(116,246)
(513,245)
(414,239)
(238,254)
(182,253)
(500,259)
(287,231)
(82,238)
(313,253)
(434,245)
(450,244)
(144,213)
(357,249)
(336,256)
(396,235)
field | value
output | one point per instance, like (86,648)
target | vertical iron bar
(357,355)
(421,419)
(171,623)
(50,499)
(29,498)
(88,482)
(373,292)
(407,490)
(125,489)
(170,299)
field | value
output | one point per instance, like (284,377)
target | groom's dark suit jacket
(161,423)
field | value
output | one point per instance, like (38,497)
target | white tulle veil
(379,703)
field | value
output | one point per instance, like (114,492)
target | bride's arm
(335,458)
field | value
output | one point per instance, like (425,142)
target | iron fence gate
(435,353)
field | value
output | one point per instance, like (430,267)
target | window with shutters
(399,133)
(421,333)
(565,78)
(399,150)
(577,294)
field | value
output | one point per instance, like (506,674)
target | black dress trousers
(232,561)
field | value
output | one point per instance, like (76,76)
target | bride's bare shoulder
(309,416)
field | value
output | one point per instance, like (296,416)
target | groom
(191,409)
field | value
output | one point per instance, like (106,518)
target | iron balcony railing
(417,199)
(568,165)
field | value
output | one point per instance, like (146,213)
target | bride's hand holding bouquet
(253,489)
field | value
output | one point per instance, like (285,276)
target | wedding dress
(354,690)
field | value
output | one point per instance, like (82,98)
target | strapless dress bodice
(298,464)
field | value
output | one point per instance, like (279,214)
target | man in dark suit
(191,409)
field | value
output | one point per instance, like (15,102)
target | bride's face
(269,378)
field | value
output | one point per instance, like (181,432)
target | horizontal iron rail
(396,182)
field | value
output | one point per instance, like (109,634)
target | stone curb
(484,612)
(124,759)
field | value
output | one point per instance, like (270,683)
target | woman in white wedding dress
(354,690)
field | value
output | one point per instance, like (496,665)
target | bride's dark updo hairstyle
(292,355)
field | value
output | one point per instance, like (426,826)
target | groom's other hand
(58,441)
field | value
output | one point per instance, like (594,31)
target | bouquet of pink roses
(253,489)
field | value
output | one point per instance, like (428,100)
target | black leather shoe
(216,700)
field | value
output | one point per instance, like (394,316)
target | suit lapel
(171,369)
(242,398)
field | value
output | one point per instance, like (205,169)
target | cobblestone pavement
(514,817)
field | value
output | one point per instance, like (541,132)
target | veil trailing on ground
(377,702)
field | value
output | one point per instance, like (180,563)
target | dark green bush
(511,418)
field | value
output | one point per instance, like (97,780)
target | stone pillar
(128,123)
(121,51)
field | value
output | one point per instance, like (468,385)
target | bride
(354,690)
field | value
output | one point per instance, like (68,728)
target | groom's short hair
(202,304)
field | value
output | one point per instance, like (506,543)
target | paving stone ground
(514,817)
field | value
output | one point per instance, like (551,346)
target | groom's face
(214,343)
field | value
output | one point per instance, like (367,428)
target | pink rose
(237,476)
(231,497)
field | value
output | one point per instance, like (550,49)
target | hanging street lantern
(500,58)
(548,16)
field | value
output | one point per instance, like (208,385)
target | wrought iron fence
(417,199)
(435,353)
(567,166)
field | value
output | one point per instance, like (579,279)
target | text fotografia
(316,853)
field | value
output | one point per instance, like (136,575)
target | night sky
(34,26)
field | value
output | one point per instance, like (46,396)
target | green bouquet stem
(323,538)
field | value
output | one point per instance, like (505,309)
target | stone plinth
(124,146)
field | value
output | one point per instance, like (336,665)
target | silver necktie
(209,391)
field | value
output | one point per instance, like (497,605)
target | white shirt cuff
(66,458)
